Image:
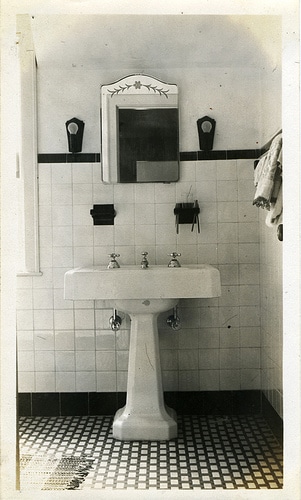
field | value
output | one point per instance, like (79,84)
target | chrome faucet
(113,262)
(174,261)
(144,262)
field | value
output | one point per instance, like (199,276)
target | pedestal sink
(143,294)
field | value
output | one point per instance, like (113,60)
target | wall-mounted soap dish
(103,215)
(187,213)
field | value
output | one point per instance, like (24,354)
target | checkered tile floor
(211,452)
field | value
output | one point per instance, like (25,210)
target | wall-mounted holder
(103,215)
(206,130)
(75,132)
(187,213)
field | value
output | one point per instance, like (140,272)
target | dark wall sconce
(75,132)
(206,129)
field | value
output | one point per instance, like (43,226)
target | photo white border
(289,10)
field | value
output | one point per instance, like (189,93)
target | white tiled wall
(66,347)
(271,314)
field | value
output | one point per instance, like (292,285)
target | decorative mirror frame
(133,91)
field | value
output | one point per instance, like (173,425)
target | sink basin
(132,282)
(143,294)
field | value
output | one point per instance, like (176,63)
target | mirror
(139,130)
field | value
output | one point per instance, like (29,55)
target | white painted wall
(234,102)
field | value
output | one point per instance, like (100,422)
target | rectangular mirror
(140,131)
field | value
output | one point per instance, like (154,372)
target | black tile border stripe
(107,403)
(185,403)
(233,154)
(68,158)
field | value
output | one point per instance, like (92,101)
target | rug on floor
(53,472)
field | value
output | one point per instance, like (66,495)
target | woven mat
(53,473)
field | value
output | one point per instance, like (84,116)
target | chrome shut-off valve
(115,321)
(173,320)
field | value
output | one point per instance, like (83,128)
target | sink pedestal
(145,416)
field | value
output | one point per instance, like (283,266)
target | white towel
(267,175)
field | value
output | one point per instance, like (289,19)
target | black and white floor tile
(211,452)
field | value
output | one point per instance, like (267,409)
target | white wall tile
(63,256)
(250,379)
(229,337)
(61,194)
(124,193)
(26,381)
(43,319)
(44,381)
(170,380)
(43,298)
(85,340)
(43,340)
(84,319)
(209,359)
(188,359)
(209,380)
(226,170)
(206,170)
(230,380)
(227,232)
(207,254)
(24,299)
(248,232)
(227,191)
(64,319)
(85,381)
(145,235)
(44,173)
(204,191)
(65,381)
(44,361)
(229,358)
(25,340)
(64,340)
(83,256)
(145,222)
(85,361)
(82,173)
(187,171)
(125,214)
(106,382)
(247,212)
(189,380)
(81,215)
(61,173)
(83,236)
(106,361)
(26,361)
(82,194)
(65,361)
(144,193)
(165,193)
(227,211)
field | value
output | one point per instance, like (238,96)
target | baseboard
(274,420)
(107,403)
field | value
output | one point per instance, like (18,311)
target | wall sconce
(75,131)
(206,129)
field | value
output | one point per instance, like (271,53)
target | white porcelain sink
(132,282)
(143,294)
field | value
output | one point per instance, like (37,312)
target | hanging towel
(267,176)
